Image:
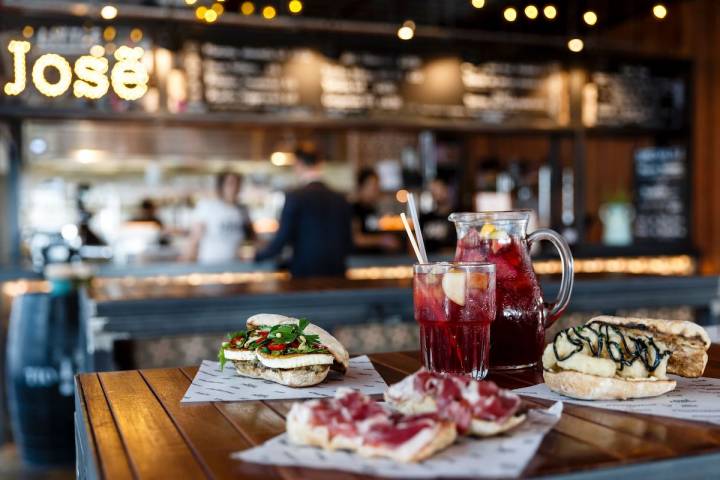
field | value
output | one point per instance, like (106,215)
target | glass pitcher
(517,336)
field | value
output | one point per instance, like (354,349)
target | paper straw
(411,237)
(416,224)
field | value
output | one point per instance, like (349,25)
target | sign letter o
(64,71)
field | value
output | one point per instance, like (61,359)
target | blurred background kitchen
(150,144)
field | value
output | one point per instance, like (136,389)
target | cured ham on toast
(353,421)
(476,407)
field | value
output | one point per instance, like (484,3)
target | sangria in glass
(455,305)
(518,333)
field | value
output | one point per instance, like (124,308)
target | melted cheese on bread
(564,354)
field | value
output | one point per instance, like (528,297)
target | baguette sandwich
(613,358)
(284,350)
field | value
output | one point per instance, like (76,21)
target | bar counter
(127,309)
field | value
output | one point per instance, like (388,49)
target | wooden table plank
(155,447)
(111,455)
(258,423)
(206,430)
(560,453)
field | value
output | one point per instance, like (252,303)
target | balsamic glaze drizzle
(624,353)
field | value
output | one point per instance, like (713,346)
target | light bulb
(550,12)
(660,11)
(575,45)
(108,12)
(590,17)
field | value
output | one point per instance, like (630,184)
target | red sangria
(518,333)
(455,306)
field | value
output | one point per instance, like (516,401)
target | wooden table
(131,425)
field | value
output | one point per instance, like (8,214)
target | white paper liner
(506,455)
(694,399)
(212,385)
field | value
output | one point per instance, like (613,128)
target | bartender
(367,238)
(220,224)
(315,223)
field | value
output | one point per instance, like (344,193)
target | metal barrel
(42,354)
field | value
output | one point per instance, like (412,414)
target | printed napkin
(212,385)
(693,399)
(506,455)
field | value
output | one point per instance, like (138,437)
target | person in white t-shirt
(220,224)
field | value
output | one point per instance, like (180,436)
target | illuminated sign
(128,77)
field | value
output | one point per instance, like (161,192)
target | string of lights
(210,12)
(532,12)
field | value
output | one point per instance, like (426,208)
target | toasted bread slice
(295,377)
(584,386)
(688,341)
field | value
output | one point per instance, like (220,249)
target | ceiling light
(108,12)
(269,12)
(531,12)
(28,31)
(478,3)
(210,15)
(510,14)
(660,11)
(550,12)
(407,30)
(590,17)
(136,35)
(247,8)
(282,159)
(109,34)
(405,33)
(295,6)
(575,45)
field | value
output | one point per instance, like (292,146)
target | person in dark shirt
(315,222)
(366,236)
(438,232)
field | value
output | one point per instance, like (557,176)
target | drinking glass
(454,306)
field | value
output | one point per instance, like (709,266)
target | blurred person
(438,232)
(366,236)
(220,224)
(148,213)
(315,222)
(85,231)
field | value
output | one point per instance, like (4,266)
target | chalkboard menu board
(634,96)
(370,84)
(660,195)
(248,78)
(498,92)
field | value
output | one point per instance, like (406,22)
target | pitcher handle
(553,310)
